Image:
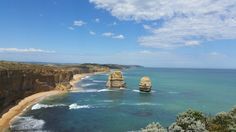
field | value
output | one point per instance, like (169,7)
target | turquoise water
(98,109)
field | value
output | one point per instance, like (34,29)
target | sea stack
(116,80)
(145,84)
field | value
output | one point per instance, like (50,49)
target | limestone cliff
(18,80)
(115,80)
(145,84)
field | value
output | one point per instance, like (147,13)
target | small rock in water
(116,80)
(145,84)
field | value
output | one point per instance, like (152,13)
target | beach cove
(91,106)
(17,110)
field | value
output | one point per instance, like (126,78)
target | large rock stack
(145,84)
(116,80)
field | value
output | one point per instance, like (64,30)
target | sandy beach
(9,116)
(78,77)
(22,105)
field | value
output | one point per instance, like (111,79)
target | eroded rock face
(19,80)
(145,84)
(116,80)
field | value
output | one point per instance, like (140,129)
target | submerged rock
(145,84)
(116,80)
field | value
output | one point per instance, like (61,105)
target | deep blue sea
(94,108)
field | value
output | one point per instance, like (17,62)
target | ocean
(94,108)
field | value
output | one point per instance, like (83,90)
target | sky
(153,33)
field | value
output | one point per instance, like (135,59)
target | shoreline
(9,116)
(18,109)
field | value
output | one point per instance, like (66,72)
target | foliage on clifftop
(114,66)
(195,121)
(6,65)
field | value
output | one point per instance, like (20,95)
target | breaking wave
(93,90)
(76,106)
(86,77)
(27,124)
(97,81)
(39,106)
(105,90)
(146,103)
(142,92)
(88,84)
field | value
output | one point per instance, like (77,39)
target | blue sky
(152,33)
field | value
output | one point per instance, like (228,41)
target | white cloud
(147,27)
(71,28)
(79,23)
(114,23)
(118,36)
(113,35)
(182,22)
(192,43)
(217,55)
(108,34)
(97,20)
(26,50)
(92,33)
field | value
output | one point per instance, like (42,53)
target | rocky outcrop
(145,84)
(19,80)
(116,80)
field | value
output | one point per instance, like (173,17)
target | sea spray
(27,124)
(76,106)
(39,106)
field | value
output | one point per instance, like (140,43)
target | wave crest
(76,106)
(39,106)
(27,124)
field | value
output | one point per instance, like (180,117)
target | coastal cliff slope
(19,80)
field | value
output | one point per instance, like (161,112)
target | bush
(192,121)
(153,127)
(223,122)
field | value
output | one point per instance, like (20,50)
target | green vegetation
(195,121)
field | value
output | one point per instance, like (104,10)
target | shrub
(153,127)
(192,121)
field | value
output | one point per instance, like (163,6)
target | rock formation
(115,80)
(145,84)
(19,80)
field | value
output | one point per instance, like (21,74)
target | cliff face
(115,80)
(20,80)
(145,84)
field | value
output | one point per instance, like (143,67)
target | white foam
(97,81)
(173,92)
(27,123)
(107,101)
(39,106)
(105,90)
(86,77)
(88,90)
(136,91)
(146,103)
(143,92)
(76,106)
(88,84)
(92,90)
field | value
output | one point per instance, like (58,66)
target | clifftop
(19,80)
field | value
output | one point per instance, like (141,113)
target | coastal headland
(23,84)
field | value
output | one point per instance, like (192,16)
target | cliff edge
(19,80)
